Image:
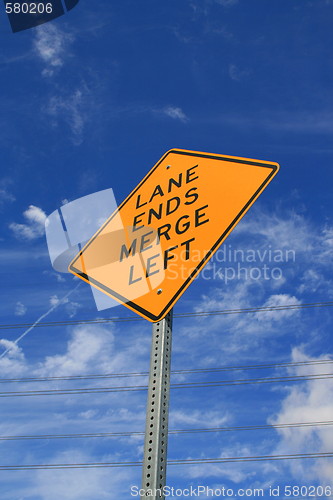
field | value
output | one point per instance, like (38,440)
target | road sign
(151,249)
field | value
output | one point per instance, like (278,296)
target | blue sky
(91,101)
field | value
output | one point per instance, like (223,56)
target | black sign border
(273,167)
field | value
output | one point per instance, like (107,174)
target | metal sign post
(174,220)
(156,436)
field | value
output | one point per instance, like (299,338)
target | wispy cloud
(280,230)
(311,401)
(51,45)
(227,3)
(243,333)
(69,107)
(293,232)
(237,74)
(304,122)
(232,472)
(83,484)
(278,300)
(326,252)
(5,195)
(175,113)
(71,307)
(34,227)
(58,276)
(170,111)
(88,347)
(12,346)
(72,109)
(198,418)
(20,309)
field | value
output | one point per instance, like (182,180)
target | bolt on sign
(154,245)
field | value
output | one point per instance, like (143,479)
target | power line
(250,459)
(182,385)
(175,372)
(256,309)
(179,315)
(188,461)
(174,432)
(253,427)
(218,383)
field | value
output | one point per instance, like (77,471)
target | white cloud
(232,472)
(6,196)
(55,275)
(304,122)
(326,244)
(311,281)
(83,484)
(88,414)
(14,350)
(311,401)
(244,334)
(226,471)
(71,307)
(282,231)
(20,309)
(71,109)
(14,364)
(175,113)
(171,111)
(89,347)
(54,300)
(197,418)
(51,45)
(309,248)
(35,226)
(279,300)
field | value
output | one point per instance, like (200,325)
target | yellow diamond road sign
(150,250)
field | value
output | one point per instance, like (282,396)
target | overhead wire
(173,372)
(173,386)
(187,461)
(291,425)
(182,385)
(176,315)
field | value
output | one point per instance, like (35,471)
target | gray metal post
(156,436)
